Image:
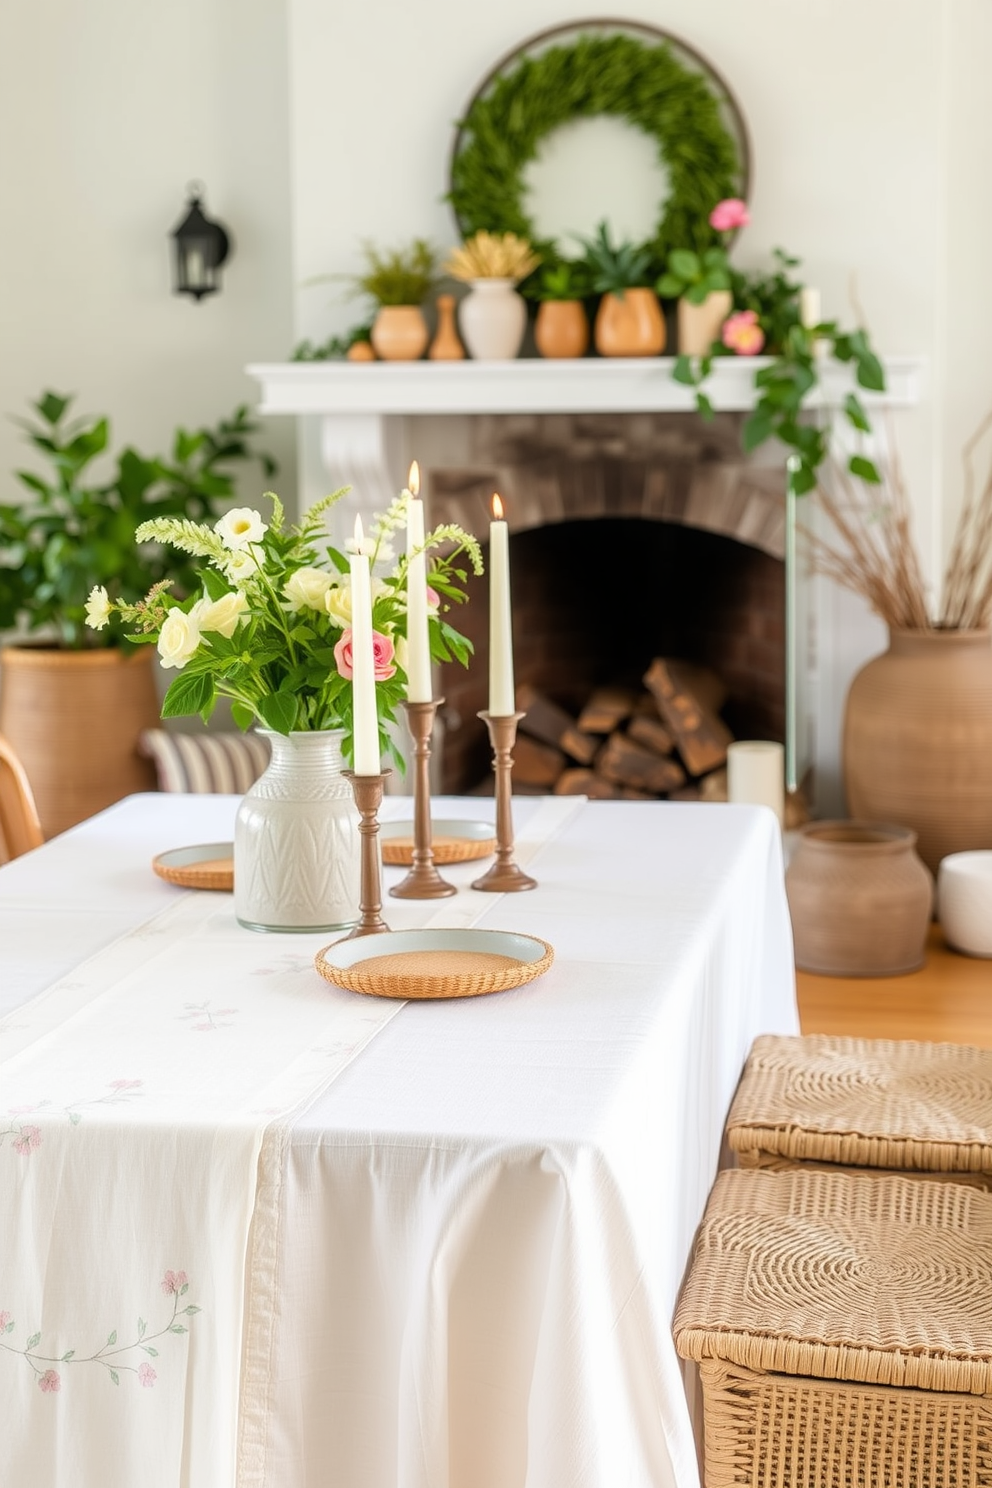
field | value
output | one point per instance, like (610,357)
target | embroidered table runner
(135,1095)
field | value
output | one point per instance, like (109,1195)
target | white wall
(107,110)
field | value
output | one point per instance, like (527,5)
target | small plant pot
(860,899)
(699,325)
(561,329)
(360,351)
(630,325)
(493,318)
(399,333)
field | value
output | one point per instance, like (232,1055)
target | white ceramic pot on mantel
(493,318)
(700,325)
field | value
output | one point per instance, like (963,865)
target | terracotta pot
(360,351)
(630,325)
(493,318)
(918,740)
(74,718)
(860,899)
(446,346)
(699,325)
(399,333)
(561,328)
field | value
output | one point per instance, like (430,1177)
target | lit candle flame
(497,508)
(413,479)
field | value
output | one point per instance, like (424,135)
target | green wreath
(646,85)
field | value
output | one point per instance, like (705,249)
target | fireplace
(632,537)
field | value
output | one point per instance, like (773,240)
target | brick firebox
(632,536)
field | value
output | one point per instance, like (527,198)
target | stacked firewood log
(665,741)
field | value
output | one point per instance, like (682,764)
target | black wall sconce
(201,246)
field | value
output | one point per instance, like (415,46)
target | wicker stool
(843,1328)
(876,1103)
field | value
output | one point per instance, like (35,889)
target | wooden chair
(20,829)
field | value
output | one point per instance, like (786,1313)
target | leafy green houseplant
(398,281)
(73,529)
(629,321)
(562,327)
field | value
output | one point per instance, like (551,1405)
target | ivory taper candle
(501,694)
(418,646)
(756,774)
(365,717)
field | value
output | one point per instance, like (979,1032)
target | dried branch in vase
(876,556)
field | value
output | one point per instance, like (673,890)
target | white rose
(98,608)
(223,615)
(307,588)
(337,603)
(178,639)
(241,565)
(237,528)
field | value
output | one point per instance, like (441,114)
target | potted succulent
(492,316)
(701,283)
(73,702)
(629,321)
(562,326)
(398,281)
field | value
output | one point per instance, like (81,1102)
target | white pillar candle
(365,717)
(756,774)
(809,306)
(501,694)
(418,646)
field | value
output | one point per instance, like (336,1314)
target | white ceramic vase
(700,325)
(297,854)
(493,318)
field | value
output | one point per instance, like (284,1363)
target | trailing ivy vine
(645,85)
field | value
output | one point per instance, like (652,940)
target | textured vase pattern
(297,855)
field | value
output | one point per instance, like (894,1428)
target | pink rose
(728,214)
(26,1140)
(146,1376)
(49,1383)
(382,656)
(173,1282)
(433,599)
(743,334)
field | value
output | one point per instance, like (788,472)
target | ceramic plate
(452,841)
(435,963)
(209,865)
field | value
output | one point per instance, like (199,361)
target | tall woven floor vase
(918,740)
(297,858)
(74,718)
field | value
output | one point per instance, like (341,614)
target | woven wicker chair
(20,829)
(842,1324)
(876,1103)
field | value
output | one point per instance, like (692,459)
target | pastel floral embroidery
(115,1357)
(120,1092)
(24,1137)
(209,1019)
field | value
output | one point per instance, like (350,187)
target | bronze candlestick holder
(368,798)
(504,877)
(423,881)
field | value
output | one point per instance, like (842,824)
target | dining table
(259,1231)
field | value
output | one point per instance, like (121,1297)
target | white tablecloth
(484,1220)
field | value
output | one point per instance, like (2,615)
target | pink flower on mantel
(382,656)
(49,1383)
(173,1282)
(27,1139)
(146,1376)
(728,214)
(742,333)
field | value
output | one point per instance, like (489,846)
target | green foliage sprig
(334,347)
(618,75)
(569,279)
(615,268)
(398,276)
(784,383)
(72,531)
(694,275)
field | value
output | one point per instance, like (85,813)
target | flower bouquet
(270,628)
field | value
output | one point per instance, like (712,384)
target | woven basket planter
(876,1103)
(843,1328)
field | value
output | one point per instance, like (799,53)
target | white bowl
(964,901)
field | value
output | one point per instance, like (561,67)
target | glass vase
(297,857)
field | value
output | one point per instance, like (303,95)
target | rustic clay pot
(699,325)
(561,328)
(630,325)
(446,346)
(918,740)
(74,718)
(399,333)
(860,899)
(360,351)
